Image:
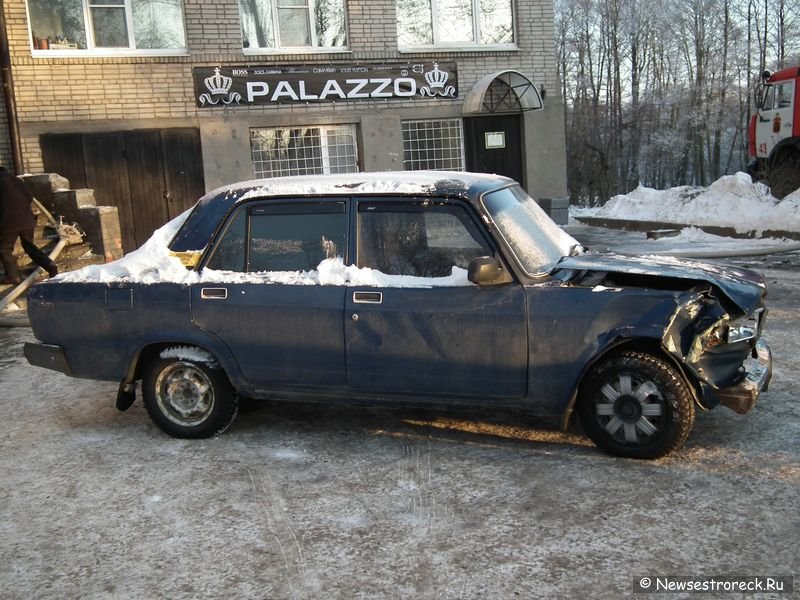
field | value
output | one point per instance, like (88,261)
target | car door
(259,294)
(420,327)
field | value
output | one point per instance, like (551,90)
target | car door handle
(214,293)
(367,297)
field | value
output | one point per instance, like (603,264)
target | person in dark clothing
(17,221)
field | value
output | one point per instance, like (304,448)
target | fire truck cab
(774,132)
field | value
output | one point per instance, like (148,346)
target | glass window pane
(455,21)
(298,242)
(110,28)
(496,22)
(329,23)
(229,252)
(158,24)
(422,243)
(294,27)
(257,30)
(57,24)
(433,144)
(303,151)
(414,22)
(784,93)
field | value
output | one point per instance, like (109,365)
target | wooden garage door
(150,175)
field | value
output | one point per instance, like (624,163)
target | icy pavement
(324,502)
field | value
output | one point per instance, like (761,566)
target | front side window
(455,23)
(784,94)
(417,241)
(279,151)
(293,24)
(282,237)
(436,145)
(69,25)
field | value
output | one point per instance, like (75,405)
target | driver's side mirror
(485,270)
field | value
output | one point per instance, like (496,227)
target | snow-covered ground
(733,201)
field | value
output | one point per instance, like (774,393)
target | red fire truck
(774,132)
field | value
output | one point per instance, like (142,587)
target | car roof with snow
(210,210)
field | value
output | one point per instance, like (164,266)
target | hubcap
(184,394)
(630,409)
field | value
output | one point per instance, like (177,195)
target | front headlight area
(748,328)
(726,331)
(720,352)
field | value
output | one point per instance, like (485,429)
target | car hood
(744,287)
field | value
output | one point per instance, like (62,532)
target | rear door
(419,327)
(262,299)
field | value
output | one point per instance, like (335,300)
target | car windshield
(536,241)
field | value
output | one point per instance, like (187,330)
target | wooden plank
(62,153)
(183,168)
(147,187)
(107,174)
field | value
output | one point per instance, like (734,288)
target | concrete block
(68,203)
(44,185)
(556,208)
(101,224)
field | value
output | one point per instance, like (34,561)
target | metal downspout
(8,92)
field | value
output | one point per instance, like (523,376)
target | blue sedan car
(423,287)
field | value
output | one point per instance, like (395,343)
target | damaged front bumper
(743,396)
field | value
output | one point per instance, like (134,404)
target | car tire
(636,405)
(188,397)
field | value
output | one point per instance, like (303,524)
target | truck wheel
(189,398)
(636,405)
(784,173)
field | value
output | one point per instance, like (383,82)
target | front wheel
(636,405)
(187,397)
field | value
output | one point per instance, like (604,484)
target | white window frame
(475,46)
(92,50)
(324,132)
(313,48)
(450,122)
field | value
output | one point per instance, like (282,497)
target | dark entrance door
(494,145)
(151,176)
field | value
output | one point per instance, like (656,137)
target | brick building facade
(108,98)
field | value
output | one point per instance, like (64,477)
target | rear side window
(421,241)
(283,237)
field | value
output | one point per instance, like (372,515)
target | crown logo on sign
(218,84)
(436,78)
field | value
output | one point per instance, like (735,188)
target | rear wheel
(636,405)
(784,172)
(188,397)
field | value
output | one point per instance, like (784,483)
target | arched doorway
(494,136)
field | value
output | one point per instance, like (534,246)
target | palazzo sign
(247,86)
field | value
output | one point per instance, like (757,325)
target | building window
(279,151)
(455,23)
(433,145)
(293,24)
(142,25)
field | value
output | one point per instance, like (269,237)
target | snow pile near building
(731,201)
(154,263)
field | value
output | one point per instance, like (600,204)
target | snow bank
(153,263)
(731,201)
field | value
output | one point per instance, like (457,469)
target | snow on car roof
(397,182)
